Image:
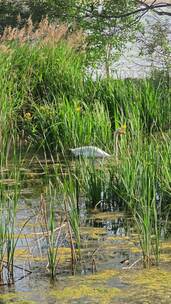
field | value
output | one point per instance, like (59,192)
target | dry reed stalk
(44,33)
(77,39)
(4,49)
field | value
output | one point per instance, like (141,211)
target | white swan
(94,152)
(89,151)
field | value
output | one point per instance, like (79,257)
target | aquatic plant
(138,175)
(10,187)
(71,207)
(93,179)
(51,227)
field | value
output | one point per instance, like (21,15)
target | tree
(107,24)
(155,45)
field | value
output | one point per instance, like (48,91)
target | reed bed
(49,103)
(10,187)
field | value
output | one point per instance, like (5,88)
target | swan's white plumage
(94,152)
(89,151)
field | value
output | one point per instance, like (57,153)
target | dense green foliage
(47,93)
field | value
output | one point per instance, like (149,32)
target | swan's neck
(116,144)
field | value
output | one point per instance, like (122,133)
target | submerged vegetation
(49,103)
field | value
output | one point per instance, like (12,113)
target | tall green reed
(10,187)
(138,175)
(65,124)
(165,178)
(94,181)
(52,225)
(70,188)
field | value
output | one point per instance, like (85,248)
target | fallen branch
(133,264)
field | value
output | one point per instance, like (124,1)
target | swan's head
(121,130)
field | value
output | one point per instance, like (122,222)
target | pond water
(110,270)
(135,61)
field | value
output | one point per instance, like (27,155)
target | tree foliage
(107,24)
